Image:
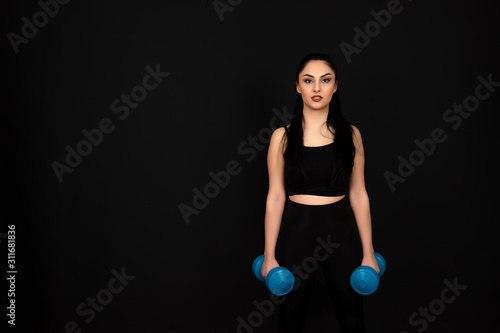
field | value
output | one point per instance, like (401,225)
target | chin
(319,105)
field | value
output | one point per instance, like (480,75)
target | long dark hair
(344,150)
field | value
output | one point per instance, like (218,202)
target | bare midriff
(309,199)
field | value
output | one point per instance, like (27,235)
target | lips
(316,98)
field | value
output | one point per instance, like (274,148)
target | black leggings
(326,235)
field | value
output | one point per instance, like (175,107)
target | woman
(313,162)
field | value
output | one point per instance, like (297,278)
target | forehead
(317,67)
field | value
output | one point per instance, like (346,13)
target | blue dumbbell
(365,280)
(279,280)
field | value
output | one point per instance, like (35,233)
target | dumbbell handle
(365,280)
(279,280)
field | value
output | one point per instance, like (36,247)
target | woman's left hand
(369,260)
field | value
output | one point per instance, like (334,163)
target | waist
(314,200)
(335,217)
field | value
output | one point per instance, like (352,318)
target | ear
(298,87)
(336,86)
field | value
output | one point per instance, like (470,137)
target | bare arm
(276,198)
(358,197)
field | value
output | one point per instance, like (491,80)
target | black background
(119,209)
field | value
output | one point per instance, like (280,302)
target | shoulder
(355,131)
(278,137)
(279,133)
(356,136)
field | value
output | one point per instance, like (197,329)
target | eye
(327,80)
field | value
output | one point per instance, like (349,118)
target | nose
(316,87)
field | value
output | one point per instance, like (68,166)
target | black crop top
(318,165)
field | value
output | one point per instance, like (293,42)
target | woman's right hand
(268,264)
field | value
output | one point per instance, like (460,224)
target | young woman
(313,163)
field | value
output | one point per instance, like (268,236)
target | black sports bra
(318,165)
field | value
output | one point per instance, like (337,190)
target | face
(317,79)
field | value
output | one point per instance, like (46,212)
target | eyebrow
(320,76)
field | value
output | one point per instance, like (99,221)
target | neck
(314,118)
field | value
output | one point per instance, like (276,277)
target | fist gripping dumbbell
(365,280)
(279,280)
